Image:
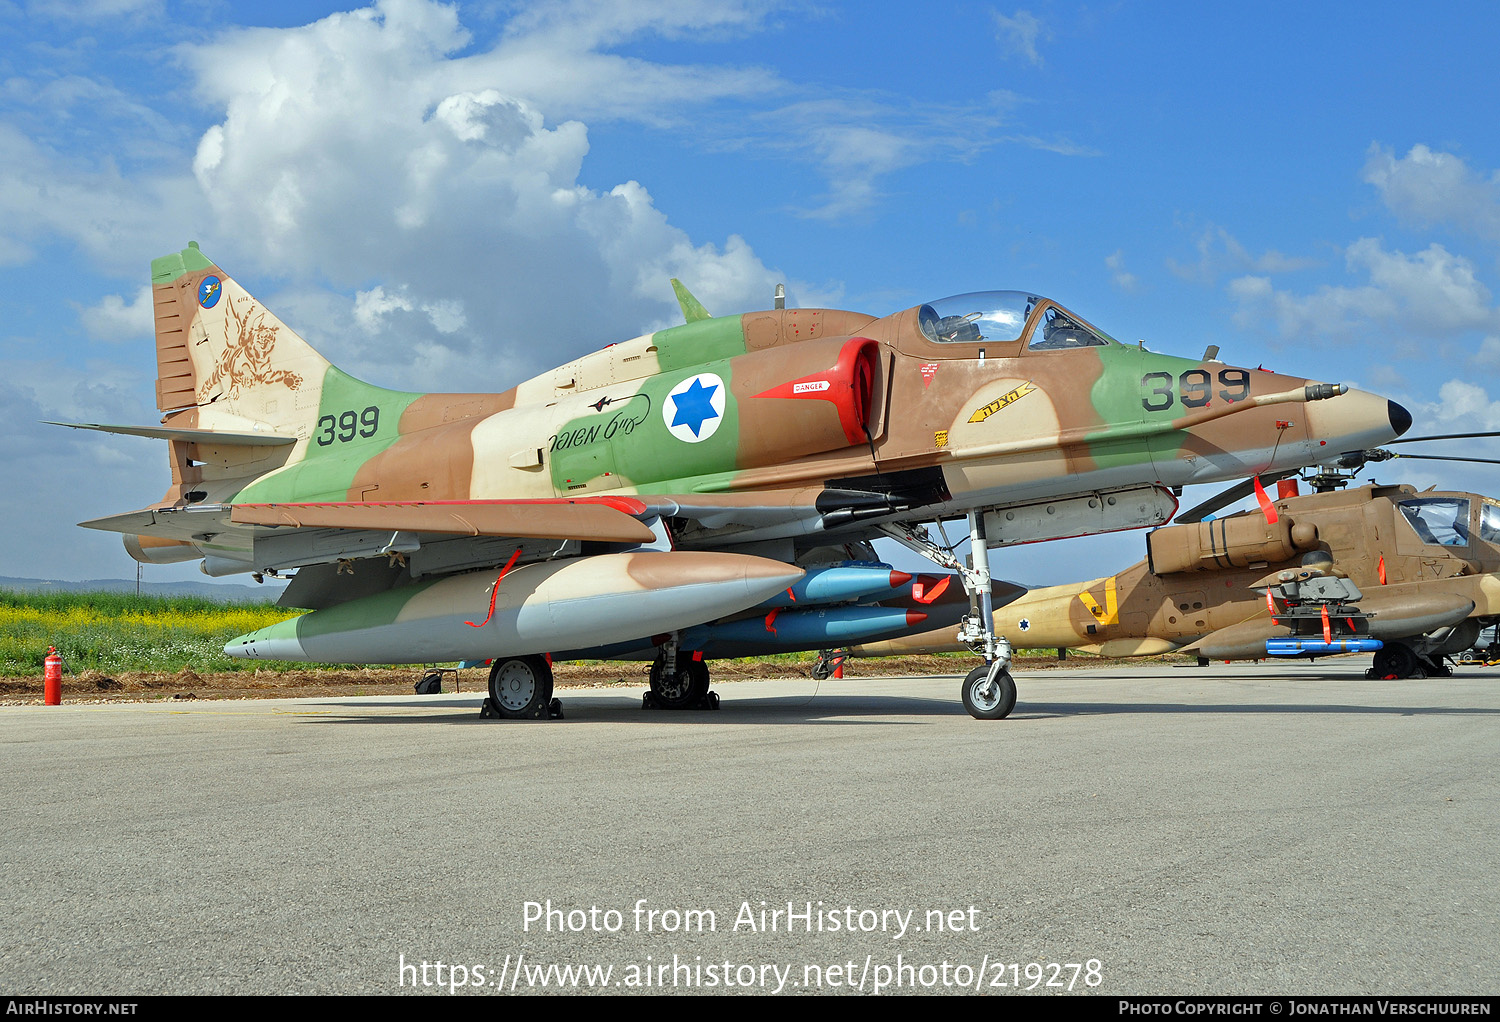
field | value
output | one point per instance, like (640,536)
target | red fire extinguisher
(52,677)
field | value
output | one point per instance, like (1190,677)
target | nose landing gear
(989,692)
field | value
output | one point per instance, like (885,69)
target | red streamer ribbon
(495,590)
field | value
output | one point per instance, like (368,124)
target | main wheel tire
(1396,658)
(992,705)
(521,687)
(682,688)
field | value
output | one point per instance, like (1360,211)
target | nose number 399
(1193,388)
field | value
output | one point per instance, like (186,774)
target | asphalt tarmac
(1247,829)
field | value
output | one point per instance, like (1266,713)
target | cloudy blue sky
(458,196)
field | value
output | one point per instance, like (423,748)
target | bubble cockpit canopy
(1002,316)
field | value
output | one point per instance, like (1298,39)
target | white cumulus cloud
(1427,187)
(1220,252)
(1461,402)
(1430,294)
(115,319)
(361,148)
(373,307)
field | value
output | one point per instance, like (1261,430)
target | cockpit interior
(1004,316)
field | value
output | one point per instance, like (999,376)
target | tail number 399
(1194,388)
(347,425)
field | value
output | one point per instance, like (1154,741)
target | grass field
(110,632)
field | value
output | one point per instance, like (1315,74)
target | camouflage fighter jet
(1425,569)
(711,487)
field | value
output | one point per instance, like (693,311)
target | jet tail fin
(220,351)
(244,394)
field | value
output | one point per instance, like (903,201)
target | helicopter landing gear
(1397,660)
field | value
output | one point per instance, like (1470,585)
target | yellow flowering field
(119,632)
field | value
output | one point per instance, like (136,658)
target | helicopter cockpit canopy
(1000,316)
(1441,521)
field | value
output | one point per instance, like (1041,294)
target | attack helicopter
(1411,576)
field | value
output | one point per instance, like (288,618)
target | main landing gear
(1398,660)
(521,689)
(683,685)
(989,692)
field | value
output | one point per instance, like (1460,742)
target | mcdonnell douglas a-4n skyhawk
(707,490)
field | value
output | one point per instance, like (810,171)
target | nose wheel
(989,692)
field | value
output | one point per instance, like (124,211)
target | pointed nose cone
(1355,421)
(1400,418)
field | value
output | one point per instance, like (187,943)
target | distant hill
(227,593)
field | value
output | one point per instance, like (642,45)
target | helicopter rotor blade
(1443,436)
(1356,462)
(1438,457)
(1230,495)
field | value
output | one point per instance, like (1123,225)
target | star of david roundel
(694,408)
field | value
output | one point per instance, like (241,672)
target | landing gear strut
(989,692)
(683,686)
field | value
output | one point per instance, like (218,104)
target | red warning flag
(1327,628)
(1265,502)
(1380,570)
(926,588)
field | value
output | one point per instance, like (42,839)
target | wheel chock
(709,701)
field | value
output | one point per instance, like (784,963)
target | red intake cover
(848,384)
